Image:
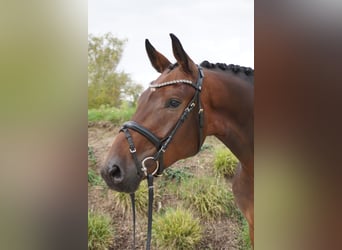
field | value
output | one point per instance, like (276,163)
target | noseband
(161,145)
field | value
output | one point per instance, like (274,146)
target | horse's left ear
(158,61)
(182,58)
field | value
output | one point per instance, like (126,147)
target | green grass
(114,115)
(225,163)
(100,231)
(245,239)
(94,179)
(176,229)
(91,156)
(122,201)
(209,196)
(169,183)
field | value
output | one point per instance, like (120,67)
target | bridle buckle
(133,150)
(144,168)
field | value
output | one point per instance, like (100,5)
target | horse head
(164,128)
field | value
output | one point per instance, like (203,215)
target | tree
(106,85)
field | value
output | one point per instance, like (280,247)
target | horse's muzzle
(119,178)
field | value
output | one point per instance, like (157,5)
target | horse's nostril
(115,173)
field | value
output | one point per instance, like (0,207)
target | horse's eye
(173,103)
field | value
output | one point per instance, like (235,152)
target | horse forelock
(172,66)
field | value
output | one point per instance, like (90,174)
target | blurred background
(43,102)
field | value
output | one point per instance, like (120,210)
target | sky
(216,30)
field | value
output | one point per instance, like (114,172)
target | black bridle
(161,145)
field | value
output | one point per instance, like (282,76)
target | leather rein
(161,146)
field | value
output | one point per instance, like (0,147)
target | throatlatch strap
(200,109)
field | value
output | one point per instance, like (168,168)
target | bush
(225,163)
(100,231)
(210,197)
(106,84)
(177,174)
(176,229)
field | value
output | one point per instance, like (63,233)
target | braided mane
(231,67)
(246,73)
(241,71)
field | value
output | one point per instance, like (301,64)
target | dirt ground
(219,234)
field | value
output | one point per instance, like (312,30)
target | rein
(161,146)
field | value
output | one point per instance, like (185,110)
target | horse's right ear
(159,62)
(182,58)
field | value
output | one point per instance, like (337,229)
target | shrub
(210,197)
(176,229)
(100,231)
(177,174)
(94,178)
(225,163)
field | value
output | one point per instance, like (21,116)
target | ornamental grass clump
(225,163)
(100,231)
(209,196)
(176,229)
(122,201)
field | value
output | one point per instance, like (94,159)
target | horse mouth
(124,188)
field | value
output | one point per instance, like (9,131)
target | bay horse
(174,115)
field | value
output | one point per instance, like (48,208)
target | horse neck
(228,106)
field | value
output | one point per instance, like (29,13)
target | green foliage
(209,196)
(94,178)
(114,115)
(100,231)
(91,156)
(105,84)
(225,163)
(245,239)
(176,229)
(177,174)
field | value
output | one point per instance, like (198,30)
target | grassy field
(196,191)
(113,115)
